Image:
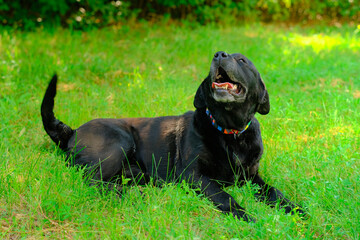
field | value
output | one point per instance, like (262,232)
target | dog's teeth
(218,76)
(235,86)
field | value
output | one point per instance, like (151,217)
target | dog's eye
(241,60)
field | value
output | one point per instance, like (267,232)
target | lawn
(311,135)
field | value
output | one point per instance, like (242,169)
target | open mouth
(224,83)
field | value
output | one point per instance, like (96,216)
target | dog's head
(233,91)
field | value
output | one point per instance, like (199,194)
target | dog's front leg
(272,196)
(224,201)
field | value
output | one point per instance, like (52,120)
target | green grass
(311,135)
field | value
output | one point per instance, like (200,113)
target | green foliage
(80,14)
(205,11)
(76,14)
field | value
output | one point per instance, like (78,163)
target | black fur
(181,147)
(59,132)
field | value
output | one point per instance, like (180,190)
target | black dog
(211,147)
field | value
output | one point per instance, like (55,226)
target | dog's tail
(59,132)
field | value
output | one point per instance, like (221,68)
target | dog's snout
(220,55)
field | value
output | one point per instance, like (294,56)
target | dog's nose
(220,55)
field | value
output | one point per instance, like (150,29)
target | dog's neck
(234,132)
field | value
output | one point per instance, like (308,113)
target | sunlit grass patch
(321,41)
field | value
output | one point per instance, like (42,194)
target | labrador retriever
(211,148)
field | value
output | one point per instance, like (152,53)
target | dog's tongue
(225,85)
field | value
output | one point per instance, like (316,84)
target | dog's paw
(297,210)
(248,218)
(241,215)
(300,212)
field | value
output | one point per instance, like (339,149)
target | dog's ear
(264,101)
(199,100)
